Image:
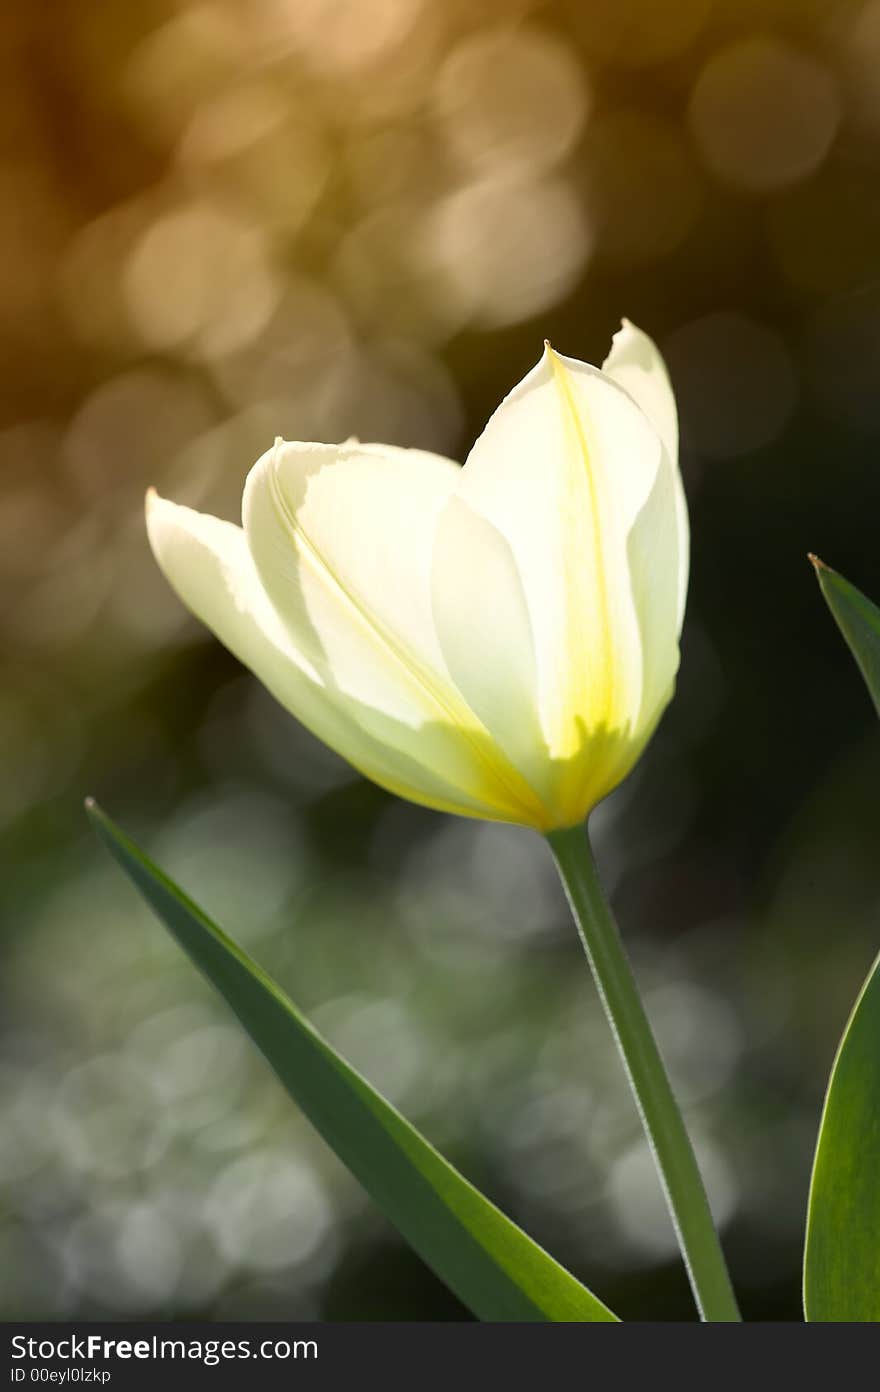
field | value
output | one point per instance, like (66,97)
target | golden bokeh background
(229,220)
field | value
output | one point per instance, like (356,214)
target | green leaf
(490,1263)
(842,1258)
(842,1255)
(859,622)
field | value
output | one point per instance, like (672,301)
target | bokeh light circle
(509,248)
(200,279)
(511,97)
(764,114)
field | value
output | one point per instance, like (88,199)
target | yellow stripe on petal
(589,636)
(563,471)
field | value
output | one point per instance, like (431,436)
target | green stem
(661,1118)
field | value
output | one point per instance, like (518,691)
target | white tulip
(498,640)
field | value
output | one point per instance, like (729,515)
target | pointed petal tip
(157,510)
(155,505)
(817,564)
(163,519)
(552,356)
(628,330)
(551,360)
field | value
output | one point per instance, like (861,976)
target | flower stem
(661,1118)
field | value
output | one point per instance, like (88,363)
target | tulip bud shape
(497,640)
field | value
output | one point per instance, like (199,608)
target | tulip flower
(497,640)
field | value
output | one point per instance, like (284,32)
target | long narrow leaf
(859,622)
(842,1257)
(842,1252)
(490,1263)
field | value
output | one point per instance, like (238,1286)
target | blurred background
(229,220)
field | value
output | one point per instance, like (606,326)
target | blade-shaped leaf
(842,1257)
(859,622)
(490,1263)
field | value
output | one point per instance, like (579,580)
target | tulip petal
(208,563)
(635,362)
(651,546)
(482,622)
(563,469)
(341,537)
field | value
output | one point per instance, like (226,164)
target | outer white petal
(208,563)
(636,363)
(341,538)
(563,470)
(482,621)
(340,535)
